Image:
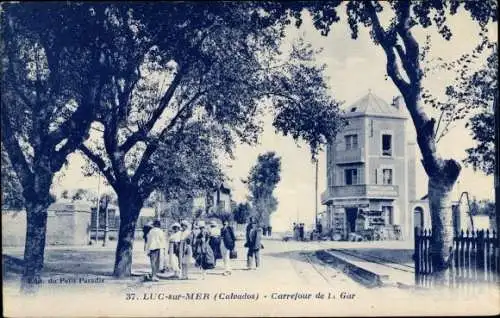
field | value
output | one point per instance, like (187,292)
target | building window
(351,176)
(351,142)
(387,176)
(388,213)
(386,145)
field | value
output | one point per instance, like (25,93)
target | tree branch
(141,134)
(388,45)
(101,165)
(182,116)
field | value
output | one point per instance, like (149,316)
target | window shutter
(380,177)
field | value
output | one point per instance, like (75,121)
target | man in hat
(155,241)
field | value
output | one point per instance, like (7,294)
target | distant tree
(50,80)
(84,195)
(261,182)
(483,207)
(242,212)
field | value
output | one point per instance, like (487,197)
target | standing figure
(186,249)
(174,244)
(254,245)
(301,231)
(228,244)
(204,253)
(295,231)
(269,230)
(155,241)
(215,240)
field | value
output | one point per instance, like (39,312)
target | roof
(372,105)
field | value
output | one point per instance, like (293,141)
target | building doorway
(418,217)
(351,215)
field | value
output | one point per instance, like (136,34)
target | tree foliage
(261,182)
(242,212)
(12,192)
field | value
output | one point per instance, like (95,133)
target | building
(68,223)
(215,201)
(371,172)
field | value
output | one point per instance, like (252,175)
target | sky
(354,67)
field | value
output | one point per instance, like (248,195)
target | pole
(316,196)
(106,226)
(98,208)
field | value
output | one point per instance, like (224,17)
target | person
(301,231)
(270,230)
(155,241)
(204,253)
(186,254)
(228,244)
(248,228)
(295,231)
(174,243)
(214,240)
(254,245)
(145,230)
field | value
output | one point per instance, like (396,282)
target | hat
(175,225)
(185,223)
(149,224)
(212,223)
(201,223)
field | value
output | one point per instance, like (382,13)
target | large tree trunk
(36,221)
(130,205)
(440,202)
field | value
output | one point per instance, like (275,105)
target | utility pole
(316,196)
(98,208)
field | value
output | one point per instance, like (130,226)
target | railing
(474,259)
(360,190)
(349,156)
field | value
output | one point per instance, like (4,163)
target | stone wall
(67,224)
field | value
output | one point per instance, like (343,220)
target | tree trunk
(34,248)
(130,205)
(440,202)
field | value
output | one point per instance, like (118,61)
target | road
(291,281)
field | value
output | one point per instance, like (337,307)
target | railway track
(379,260)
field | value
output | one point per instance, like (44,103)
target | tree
(261,182)
(242,213)
(84,195)
(481,90)
(206,70)
(404,54)
(50,80)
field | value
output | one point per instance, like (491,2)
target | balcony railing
(349,156)
(361,191)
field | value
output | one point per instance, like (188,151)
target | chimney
(397,102)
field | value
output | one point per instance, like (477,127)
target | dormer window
(386,145)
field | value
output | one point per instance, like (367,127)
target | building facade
(371,173)
(215,201)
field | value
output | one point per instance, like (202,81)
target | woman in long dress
(186,248)
(174,243)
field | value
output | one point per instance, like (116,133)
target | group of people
(197,245)
(298,231)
